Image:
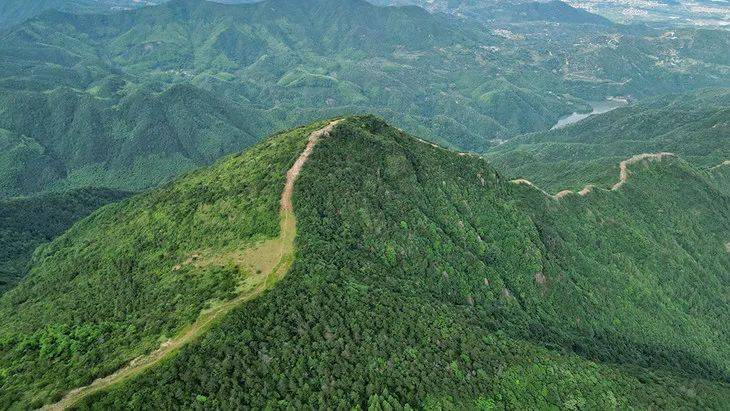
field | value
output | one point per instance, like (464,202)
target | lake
(599,107)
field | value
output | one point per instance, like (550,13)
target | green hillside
(134,273)
(433,74)
(720,174)
(26,223)
(694,126)
(421,277)
(66,138)
(14,12)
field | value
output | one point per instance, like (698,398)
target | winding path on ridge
(270,271)
(623,176)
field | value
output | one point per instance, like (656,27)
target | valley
(226,75)
(350,204)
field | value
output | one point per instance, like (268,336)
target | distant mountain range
(66,138)
(235,72)
(513,11)
(16,11)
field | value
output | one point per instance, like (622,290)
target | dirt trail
(624,166)
(623,176)
(266,271)
(723,164)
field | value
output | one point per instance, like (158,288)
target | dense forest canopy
(495,272)
(497,261)
(25,223)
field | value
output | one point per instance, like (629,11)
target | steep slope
(694,126)
(421,277)
(123,281)
(26,223)
(720,174)
(66,139)
(273,258)
(425,279)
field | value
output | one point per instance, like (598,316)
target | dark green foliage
(128,277)
(695,126)
(720,175)
(424,279)
(25,223)
(433,74)
(65,138)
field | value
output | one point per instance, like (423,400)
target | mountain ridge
(466,250)
(283,245)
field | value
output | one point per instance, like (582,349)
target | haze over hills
(483,292)
(17,11)
(14,11)
(506,11)
(670,13)
(280,63)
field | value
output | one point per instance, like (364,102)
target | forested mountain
(696,126)
(347,264)
(512,11)
(720,174)
(66,138)
(448,79)
(421,277)
(17,11)
(25,223)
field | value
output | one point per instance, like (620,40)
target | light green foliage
(483,293)
(121,281)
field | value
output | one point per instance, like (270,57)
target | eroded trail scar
(623,176)
(279,254)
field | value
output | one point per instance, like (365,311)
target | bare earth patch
(624,174)
(268,261)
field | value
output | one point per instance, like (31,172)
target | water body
(599,107)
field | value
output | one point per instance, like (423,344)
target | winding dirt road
(623,176)
(257,258)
